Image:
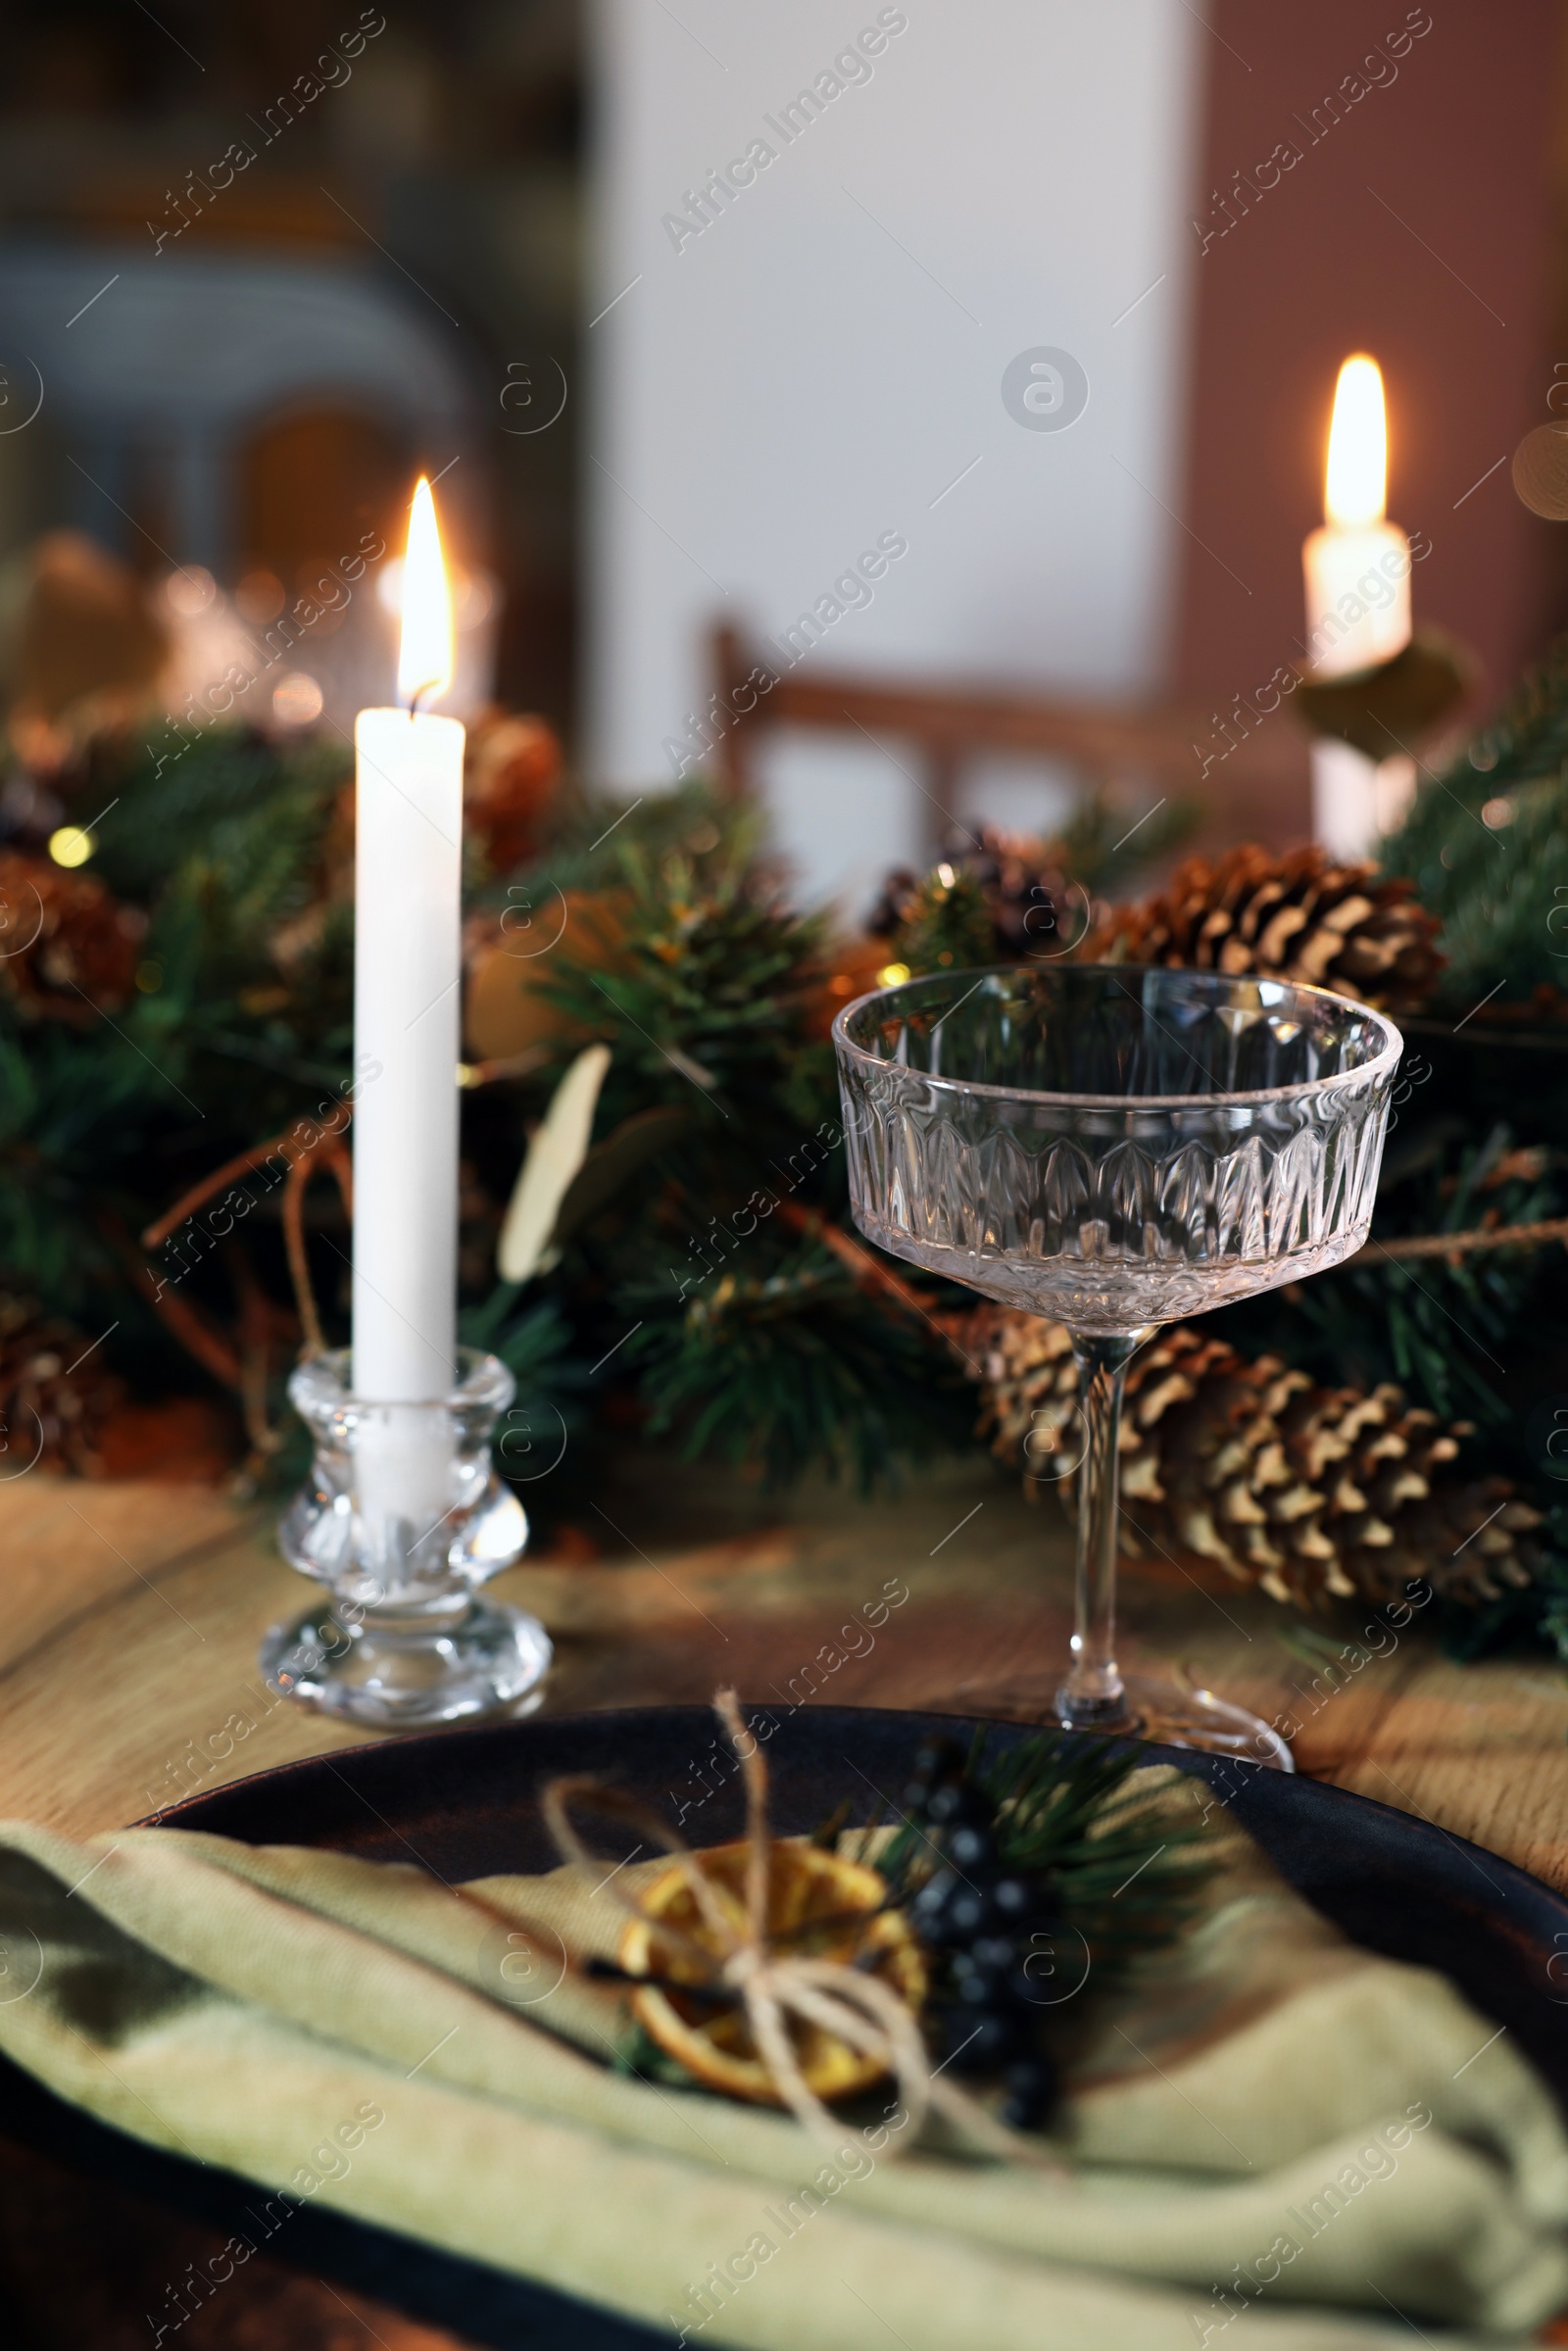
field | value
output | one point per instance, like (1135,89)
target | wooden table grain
(130,1614)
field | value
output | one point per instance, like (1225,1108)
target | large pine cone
(55,1395)
(1295,917)
(67,946)
(1312,1492)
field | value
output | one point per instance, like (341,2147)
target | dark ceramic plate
(466,1803)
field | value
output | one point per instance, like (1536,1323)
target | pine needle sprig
(590,830)
(946,923)
(708,994)
(1129,1869)
(1439,1327)
(1485,844)
(799,1370)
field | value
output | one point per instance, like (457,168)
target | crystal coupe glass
(1113,1148)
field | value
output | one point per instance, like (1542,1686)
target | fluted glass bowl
(1112,1146)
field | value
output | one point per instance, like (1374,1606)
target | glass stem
(1091,1698)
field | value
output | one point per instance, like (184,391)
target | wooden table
(129,1618)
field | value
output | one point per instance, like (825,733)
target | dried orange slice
(821,1906)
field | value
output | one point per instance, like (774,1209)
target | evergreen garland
(797,1369)
(197,1000)
(677,1271)
(747,1342)
(1485,844)
(944,923)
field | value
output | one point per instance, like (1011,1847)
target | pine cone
(1297,918)
(1312,1492)
(67,948)
(56,1397)
(994,896)
(509,776)
(1024,887)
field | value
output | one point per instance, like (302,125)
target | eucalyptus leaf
(554,1159)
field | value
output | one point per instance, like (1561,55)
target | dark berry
(971,1845)
(956,1802)
(967,1916)
(1030,2083)
(938,1762)
(965,1911)
(948,1912)
(929,1905)
(1027,1895)
(977,2042)
(998,1952)
(978,1986)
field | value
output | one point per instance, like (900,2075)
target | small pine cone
(54,1394)
(1297,917)
(67,948)
(1024,886)
(994,899)
(1313,1492)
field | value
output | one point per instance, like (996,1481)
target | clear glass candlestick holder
(402,1518)
(1114,1146)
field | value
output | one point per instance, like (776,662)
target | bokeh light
(71,845)
(297,699)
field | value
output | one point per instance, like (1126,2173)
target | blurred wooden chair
(1254,785)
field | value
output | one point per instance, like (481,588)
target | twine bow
(775,1984)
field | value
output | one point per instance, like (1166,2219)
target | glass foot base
(1180,1718)
(489,1661)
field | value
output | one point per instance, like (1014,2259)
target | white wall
(803,377)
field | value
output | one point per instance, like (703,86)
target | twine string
(638,1815)
(847,2003)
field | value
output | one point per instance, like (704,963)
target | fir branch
(1129,1871)
(800,1370)
(710,992)
(946,923)
(1439,1326)
(1485,844)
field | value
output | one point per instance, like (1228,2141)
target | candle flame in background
(424,660)
(1355,484)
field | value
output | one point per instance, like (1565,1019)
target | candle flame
(425,662)
(1355,484)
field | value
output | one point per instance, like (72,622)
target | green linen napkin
(1267,2125)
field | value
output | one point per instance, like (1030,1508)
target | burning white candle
(405,1020)
(1357,574)
(1358,566)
